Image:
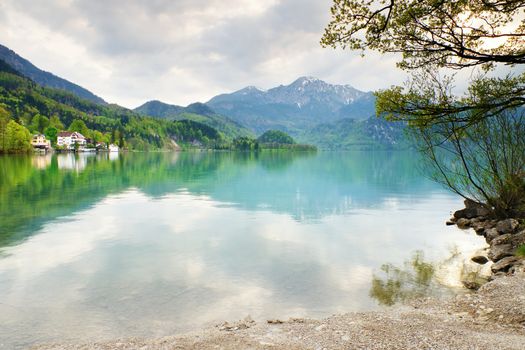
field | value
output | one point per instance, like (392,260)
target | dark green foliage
(276,136)
(38,124)
(196,134)
(78,125)
(159,109)
(245,144)
(198,112)
(51,134)
(251,144)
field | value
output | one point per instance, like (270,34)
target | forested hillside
(46,110)
(198,112)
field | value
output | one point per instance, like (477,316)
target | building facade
(68,139)
(39,141)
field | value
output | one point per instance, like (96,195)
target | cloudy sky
(182,51)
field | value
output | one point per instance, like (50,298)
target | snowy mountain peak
(250,90)
(307,80)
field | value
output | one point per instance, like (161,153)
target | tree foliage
(276,136)
(14,138)
(473,142)
(453,34)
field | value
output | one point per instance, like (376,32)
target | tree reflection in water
(414,279)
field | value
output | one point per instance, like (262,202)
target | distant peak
(250,89)
(306,80)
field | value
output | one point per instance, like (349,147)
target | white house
(68,139)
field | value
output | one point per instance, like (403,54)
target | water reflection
(151,244)
(399,284)
(34,190)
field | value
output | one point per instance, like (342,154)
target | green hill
(38,108)
(370,134)
(276,136)
(198,112)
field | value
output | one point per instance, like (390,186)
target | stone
(478,226)
(518,239)
(518,267)
(504,264)
(465,214)
(463,223)
(503,239)
(472,210)
(276,321)
(469,203)
(480,259)
(491,234)
(474,280)
(515,240)
(507,226)
(498,252)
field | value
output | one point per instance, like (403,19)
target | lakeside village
(71,141)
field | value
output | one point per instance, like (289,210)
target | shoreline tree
(473,142)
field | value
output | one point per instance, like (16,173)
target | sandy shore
(492,318)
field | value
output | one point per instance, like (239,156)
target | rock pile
(503,236)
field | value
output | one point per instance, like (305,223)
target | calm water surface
(95,247)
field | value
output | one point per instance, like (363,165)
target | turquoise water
(96,247)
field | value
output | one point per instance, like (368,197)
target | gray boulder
(507,226)
(504,264)
(498,252)
(491,234)
(463,223)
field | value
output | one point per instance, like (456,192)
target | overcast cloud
(182,51)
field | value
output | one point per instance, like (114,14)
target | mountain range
(296,107)
(313,111)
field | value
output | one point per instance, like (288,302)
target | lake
(96,247)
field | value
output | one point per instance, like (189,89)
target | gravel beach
(491,318)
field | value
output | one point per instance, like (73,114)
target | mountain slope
(373,133)
(43,78)
(39,109)
(294,108)
(197,112)
(158,109)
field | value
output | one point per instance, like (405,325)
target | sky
(183,51)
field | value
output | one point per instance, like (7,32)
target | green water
(96,247)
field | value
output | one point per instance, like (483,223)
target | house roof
(65,133)
(70,133)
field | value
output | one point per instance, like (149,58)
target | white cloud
(182,51)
